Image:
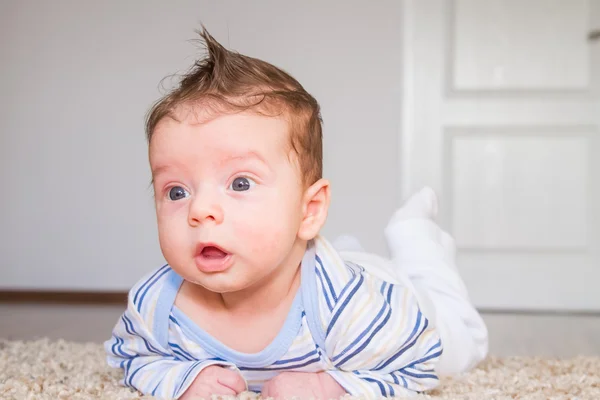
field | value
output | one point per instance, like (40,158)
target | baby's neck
(259,311)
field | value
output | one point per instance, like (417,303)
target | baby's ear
(315,206)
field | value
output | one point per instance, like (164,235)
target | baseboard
(62,297)
(539,312)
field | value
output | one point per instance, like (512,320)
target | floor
(510,334)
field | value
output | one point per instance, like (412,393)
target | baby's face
(228,198)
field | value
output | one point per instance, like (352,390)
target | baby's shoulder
(362,282)
(349,280)
(148,288)
(337,272)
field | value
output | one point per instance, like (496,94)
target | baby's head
(236,158)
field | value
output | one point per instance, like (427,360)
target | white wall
(77,77)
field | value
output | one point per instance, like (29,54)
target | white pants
(423,259)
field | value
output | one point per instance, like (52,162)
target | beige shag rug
(45,369)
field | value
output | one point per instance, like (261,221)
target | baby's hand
(215,380)
(303,385)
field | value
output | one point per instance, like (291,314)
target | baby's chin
(219,283)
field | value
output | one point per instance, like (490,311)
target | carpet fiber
(46,369)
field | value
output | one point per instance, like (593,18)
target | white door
(501,117)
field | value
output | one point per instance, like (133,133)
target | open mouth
(212,252)
(212,258)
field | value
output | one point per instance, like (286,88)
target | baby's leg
(424,252)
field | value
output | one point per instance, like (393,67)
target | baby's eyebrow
(159,170)
(248,155)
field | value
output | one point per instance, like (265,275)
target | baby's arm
(379,344)
(148,367)
(379,341)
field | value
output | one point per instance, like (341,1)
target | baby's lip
(216,260)
(201,246)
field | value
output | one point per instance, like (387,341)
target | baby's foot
(412,227)
(423,204)
(412,233)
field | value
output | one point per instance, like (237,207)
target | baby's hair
(225,81)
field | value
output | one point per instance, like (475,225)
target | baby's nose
(203,209)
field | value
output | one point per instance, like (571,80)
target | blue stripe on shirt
(366,342)
(402,350)
(139,305)
(397,381)
(382,288)
(325,294)
(288,360)
(187,374)
(120,348)
(133,332)
(337,314)
(417,375)
(361,335)
(381,387)
(138,370)
(429,357)
(127,368)
(326,276)
(416,327)
(137,293)
(389,294)
(179,350)
(285,367)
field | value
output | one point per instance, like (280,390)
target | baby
(252,296)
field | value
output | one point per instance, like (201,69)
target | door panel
(501,117)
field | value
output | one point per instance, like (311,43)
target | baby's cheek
(172,242)
(265,237)
(261,239)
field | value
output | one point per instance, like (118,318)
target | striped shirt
(367,333)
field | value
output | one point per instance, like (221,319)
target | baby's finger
(215,388)
(222,390)
(232,380)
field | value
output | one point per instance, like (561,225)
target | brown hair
(226,81)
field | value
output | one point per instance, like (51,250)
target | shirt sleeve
(148,367)
(379,341)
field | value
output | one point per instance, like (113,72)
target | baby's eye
(178,193)
(242,184)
